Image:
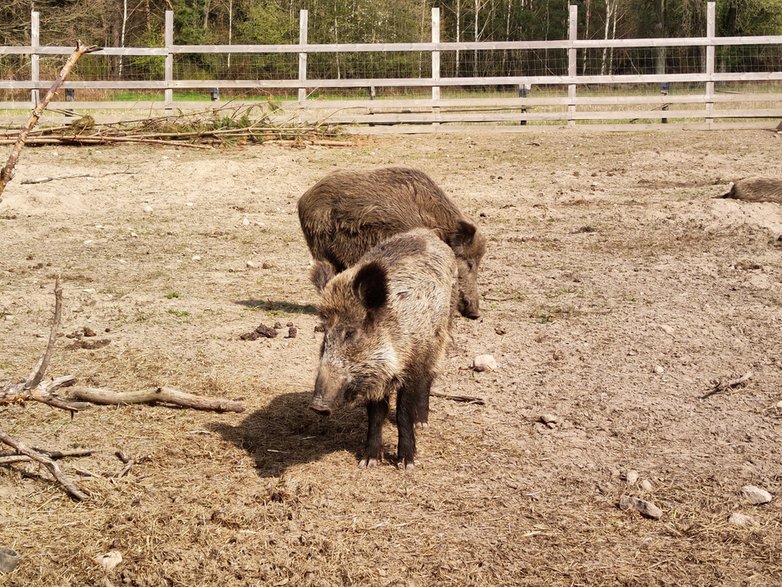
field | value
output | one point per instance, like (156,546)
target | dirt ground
(615,293)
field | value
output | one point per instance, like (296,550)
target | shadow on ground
(286,432)
(278,306)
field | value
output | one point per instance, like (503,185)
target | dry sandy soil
(616,291)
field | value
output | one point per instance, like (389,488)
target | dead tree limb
(164,395)
(52,454)
(61,477)
(7,172)
(33,387)
(730,384)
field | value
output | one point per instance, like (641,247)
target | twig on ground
(52,454)
(730,384)
(125,459)
(55,470)
(74,176)
(468,399)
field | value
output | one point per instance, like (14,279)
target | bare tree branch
(7,173)
(54,469)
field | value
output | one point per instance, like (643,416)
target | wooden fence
(697,104)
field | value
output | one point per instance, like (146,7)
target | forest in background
(140,23)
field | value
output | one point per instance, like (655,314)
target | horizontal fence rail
(567,96)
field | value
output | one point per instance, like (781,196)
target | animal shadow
(287,433)
(278,306)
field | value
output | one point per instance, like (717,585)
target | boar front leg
(376,416)
(406,402)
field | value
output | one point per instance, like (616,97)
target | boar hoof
(367,463)
(406,466)
(421,425)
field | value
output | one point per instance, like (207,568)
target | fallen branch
(7,172)
(460,398)
(52,454)
(730,384)
(55,470)
(33,388)
(163,395)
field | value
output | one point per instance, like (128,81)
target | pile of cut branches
(228,125)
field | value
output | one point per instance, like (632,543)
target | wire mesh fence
(542,70)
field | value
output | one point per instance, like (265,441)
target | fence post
(303,25)
(711,30)
(572,69)
(35,41)
(169,70)
(435,61)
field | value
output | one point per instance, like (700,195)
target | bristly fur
(387,328)
(347,213)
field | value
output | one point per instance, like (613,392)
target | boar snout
(320,406)
(328,387)
(469,309)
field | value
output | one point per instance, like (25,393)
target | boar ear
(370,286)
(463,235)
(321,273)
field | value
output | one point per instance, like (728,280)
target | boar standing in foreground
(348,212)
(387,326)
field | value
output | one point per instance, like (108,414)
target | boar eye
(349,335)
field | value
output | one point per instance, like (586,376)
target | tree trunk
(660,53)
(586,35)
(458,32)
(122,33)
(610,8)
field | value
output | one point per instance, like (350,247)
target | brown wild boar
(756,189)
(348,212)
(387,323)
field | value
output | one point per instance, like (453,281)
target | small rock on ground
(484,363)
(755,495)
(631,477)
(646,508)
(739,519)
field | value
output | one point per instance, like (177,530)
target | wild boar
(756,189)
(348,212)
(387,322)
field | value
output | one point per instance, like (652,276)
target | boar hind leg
(421,414)
(376,415)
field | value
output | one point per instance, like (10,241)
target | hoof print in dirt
(261,331)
